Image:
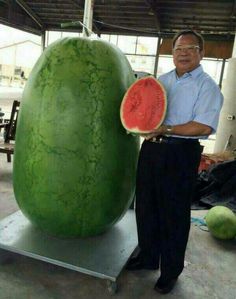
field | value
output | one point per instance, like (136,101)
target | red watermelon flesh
(144,106)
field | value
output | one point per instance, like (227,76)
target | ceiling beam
(30,12)
(195,11)
(152,5)
(76,3)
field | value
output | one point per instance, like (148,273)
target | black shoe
(165,286)
(136,263)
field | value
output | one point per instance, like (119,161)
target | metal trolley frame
(103,256)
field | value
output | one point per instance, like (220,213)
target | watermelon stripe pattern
(74,165)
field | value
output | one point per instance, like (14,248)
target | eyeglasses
(187,49)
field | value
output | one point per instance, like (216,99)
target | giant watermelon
(74,164)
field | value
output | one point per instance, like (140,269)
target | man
(169,160)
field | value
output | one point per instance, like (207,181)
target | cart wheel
(112,287)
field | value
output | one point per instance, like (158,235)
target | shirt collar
(194,73)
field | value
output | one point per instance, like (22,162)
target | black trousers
(166,178)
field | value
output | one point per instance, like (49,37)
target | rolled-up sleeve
(207,107)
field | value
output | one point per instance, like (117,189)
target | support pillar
(88,17)
(43,40)
(226,133)
(157,56)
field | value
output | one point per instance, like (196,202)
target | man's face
(186,54)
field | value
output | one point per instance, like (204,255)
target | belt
(172,140)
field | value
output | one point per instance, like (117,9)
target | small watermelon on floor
(221,222)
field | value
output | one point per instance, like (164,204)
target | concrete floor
(210,270)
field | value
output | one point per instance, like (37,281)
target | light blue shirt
(192,97)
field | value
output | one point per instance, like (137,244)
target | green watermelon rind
(221,222)
(74,166)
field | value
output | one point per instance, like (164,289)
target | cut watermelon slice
(143,107)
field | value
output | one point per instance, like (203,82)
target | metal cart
(103,256)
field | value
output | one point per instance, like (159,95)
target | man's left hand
(157,132)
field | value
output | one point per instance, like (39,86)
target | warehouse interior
(210,263)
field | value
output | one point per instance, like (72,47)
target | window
(17,71)
(127,44)
(142,63)
(147,45)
